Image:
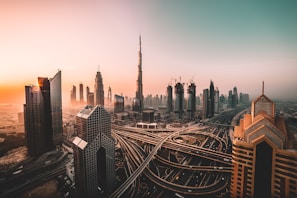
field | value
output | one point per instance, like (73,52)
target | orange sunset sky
(232,43)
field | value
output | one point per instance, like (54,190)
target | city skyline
(231,43)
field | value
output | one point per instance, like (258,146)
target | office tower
(118,104)
(179,100)
(56,108)
(87,91)
(73,95)
(245,99)
(109,95)
(235,98)
(169,99)
(138,100)
(94,153)
(263,163)
(222,100)
(211,99)
(191,101)
(205,104)
(99,91)
(90,97)
(216,101)
(230,96)
(38,117)
(81,93)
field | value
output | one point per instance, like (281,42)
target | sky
(233,43)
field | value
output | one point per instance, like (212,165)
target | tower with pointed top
(263,159)
(138,100)
(98,89)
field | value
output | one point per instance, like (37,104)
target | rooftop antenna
(98,68)
(263,88)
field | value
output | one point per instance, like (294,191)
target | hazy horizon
(232,43)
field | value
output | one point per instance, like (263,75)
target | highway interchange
(188,161)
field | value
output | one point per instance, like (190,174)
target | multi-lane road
(188,161)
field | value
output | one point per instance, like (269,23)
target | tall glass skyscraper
(98,90)
(169,99)
(43,115)
(38,118)
(138,100)
(179,100)
(191,101)
(94,153)
(211,99)
(56,108)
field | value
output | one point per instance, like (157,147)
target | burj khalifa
(138,100)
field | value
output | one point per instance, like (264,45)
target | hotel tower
(94,153)
(264,165)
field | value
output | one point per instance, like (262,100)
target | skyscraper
(38,118)
(109,95)
(118,104)
(169,99)
(230,99)
(211,99)
(205,104)
(138,100)
(94,153)
(191,101)
(99,91)
(179,100)
(73,95)
(56,108)
(263,164)
(216,101)
(87,91)
(235,97)
(81,93)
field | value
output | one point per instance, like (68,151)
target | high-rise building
(211,99)
(73,95)
(205,104)
(191,101)
(90,97)
(179,100)
(109,95)
(56,108)
(118,104)
(38,117)
(217,101)
(81,93)
(234,98)
(138,100)
(264,164)
(99,91)
(230,97)
(87,91)
(169,99)
(94,153)
(245,99)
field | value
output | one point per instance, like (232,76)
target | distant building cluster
(92,98)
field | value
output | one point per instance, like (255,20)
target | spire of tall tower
(263,88)
(140,43)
